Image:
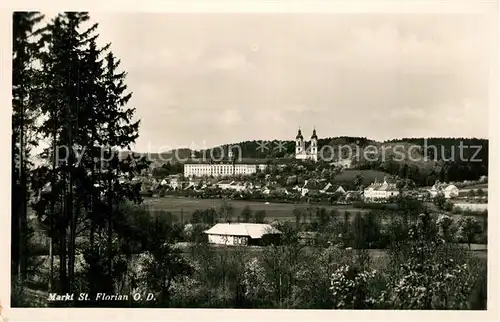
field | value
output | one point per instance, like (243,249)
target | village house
(224,184)
(274,190)
(448,190)
(194,184)
(381,191)
(240,186)
(174,181)
(309,186)
(274,187)
(331,189)
(242,234)
(342,163)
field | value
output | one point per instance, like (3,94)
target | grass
(283,211)
(483,186)
(274,210)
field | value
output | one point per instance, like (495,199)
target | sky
(200,80)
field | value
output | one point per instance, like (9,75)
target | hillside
(431,159)
(369,176)
(172,156)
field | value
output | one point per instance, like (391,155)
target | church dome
(314,136)
(299,135)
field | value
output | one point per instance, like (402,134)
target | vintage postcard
(253,160)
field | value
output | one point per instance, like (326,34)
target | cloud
(237,62)
(407,113)
(231,117)
(379,76)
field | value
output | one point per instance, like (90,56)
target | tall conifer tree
(25,52)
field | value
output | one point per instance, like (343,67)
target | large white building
(195,168)
(219,169)
(380,191)
(311,153)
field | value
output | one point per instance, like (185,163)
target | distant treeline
(446,148)
(257,149)
(458,164)
(449,159)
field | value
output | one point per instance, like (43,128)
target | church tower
(299,144)
(314,146)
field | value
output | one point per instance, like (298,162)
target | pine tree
(62,107)
(24,84)
(87,121)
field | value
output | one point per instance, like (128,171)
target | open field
(283,211)
(183,206)
(472,206)
(483,186)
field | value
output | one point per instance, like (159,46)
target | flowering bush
(446,228)
(432,288)
(349,287)
(469,230)
(434,275)
(254,281)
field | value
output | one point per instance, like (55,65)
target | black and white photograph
(219,160)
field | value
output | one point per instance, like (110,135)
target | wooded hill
(431,158)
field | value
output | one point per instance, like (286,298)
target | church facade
(303,153)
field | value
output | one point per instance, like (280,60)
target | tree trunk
(70,214)
(15,225)
(51,265)
(71,240)
(110,218)
(63,262)
(23,229)
(72,259)
(53,204)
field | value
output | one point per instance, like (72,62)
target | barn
(243,234)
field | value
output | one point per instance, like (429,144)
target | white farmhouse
(451,191)
(448,190)
(380,191)
(330,189)
(242,234)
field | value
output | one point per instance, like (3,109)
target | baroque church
(311,153)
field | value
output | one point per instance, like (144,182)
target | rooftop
(242,229)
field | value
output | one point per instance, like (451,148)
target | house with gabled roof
(240,185)
(274,187)
(331,189)
(242,234)
(381,191)
(224,184)
(448,190)
(311,185)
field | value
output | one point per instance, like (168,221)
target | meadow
(181,206)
